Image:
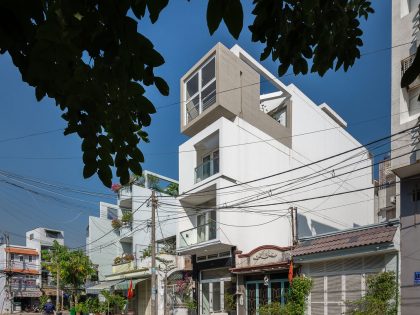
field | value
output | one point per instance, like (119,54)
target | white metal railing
(198,234)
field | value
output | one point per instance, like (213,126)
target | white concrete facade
(246,153)
(405,111)
(43,239)
(251,157)
(24,269)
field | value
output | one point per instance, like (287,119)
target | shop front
(25,293)
(262,278)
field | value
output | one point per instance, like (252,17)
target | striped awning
(105,285)
(123,286)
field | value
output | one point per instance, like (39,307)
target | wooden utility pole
(57,300)
(292,214)
(8,274)
(153,245)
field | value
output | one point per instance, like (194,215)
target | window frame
(200,88)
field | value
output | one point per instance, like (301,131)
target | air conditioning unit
(393,199)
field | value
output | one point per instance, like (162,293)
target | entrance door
(212,291)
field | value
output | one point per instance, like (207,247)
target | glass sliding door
(205,298)
(212,291)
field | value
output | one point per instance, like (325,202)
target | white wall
(263,156)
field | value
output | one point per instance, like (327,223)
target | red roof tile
(346,239)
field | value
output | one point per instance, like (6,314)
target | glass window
(12,256)
(200,90)
(30,258)
(192,86)
(208,95)
(112,214)
(216,297)
(20,258)
(208,72)
(31,236)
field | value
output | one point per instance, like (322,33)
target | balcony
(206,169)
(405,64)
(124,197)
(123,267)
(197,235)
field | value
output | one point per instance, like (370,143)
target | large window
(200,90)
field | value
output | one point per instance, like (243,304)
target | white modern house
(121,250)
(405,157)
(43,239)
(22,266)
(250,157)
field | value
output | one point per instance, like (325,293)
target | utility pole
(57,301)
(153,245)
(8,273)
(292,214)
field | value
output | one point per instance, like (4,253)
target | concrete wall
(261,156)
(405,112)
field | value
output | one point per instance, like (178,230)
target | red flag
(130,292)
(290,277)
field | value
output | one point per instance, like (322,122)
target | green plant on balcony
(127,218)
(147,252)
(117,260)
(128,257)
(116,224)
(172,189)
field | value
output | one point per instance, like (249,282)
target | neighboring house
(239,135)
(340,262)
(123,254)
(22,265)
(405,113)
(43,239)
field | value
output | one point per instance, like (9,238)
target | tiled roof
(346,239)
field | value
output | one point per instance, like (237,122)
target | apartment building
(251,156)
(43,239)
(22,266)
(118,241)
(405,111)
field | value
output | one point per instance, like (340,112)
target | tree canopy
(89,57)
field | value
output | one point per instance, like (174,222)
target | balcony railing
(197,235)
(206,169)
(125,192)
(406,63)
(201,102)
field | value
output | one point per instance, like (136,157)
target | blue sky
(182,37)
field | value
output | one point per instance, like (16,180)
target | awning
(105,285)
(126,283)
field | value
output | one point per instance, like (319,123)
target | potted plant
(185,304)
(127,218)
(117,260)
(116,224)
(128,257)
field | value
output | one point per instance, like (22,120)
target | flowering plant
(116,187)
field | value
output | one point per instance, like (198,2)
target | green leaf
(215,11)
(155,7)
(105,175)
(162,86)
(89,169)
(135,167)
(234,17)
